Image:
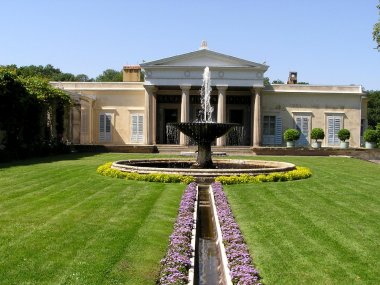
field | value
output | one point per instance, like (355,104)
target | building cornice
(303,88)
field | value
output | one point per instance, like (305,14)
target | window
(272,130)
(303,125)
(105,127)
(334,124)
(137,128)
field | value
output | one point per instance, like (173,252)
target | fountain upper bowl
(204,132)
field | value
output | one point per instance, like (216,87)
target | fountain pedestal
(204,159)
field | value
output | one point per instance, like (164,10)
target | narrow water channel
(206,252)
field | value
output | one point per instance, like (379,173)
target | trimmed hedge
(106,170)
(297,174)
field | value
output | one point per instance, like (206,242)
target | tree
(278,81)
(14,104)
(373,108)
(83,78)
(48,72)
(110,75)
(31,111)
(376,31)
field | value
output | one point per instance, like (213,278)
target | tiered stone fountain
(203,132)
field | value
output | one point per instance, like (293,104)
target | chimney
(131,73)
(292,79)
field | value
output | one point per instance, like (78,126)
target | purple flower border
(240,263)
(177,262)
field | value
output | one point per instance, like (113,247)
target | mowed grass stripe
(120,239)
(146,244)
(82,225)
(324,230)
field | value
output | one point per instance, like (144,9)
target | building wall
(119,101)
(121,105)
(317,106)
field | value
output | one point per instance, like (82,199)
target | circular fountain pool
(221,167)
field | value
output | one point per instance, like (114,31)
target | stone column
(256,117)
(184,110)
(154,117)
(221,115)
(149,94)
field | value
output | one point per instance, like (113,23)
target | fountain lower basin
(222,167)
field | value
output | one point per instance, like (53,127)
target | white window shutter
(108,118)
(101,127)
(137,128)
(334,124)
(302,125)
(278,131)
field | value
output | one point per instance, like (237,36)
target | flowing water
(206,255)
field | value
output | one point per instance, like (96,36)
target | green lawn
(61,223)
(323,230)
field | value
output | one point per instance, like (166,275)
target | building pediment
(202,58)
(188,69)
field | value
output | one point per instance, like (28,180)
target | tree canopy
(373,108)
(376,30)
(24,105)
(110,75)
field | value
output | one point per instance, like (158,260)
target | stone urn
(290,144)
(344,144)
(370,145)
(316,144)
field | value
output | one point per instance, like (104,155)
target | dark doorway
(170,136)
(237,116)
(236,135)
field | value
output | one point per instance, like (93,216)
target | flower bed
(240,262)
(177,262)
(297,174)
(106,170)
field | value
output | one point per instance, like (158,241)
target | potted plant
(370,138)
(317,134)
(344,135)
(290,136)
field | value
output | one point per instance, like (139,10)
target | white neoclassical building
(135,112)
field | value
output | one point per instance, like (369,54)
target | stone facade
(137,112)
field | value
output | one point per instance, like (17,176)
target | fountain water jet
(204,131)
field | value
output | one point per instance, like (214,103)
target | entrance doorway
(170,116)
(236,135)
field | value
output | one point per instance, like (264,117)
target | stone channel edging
(193,240)
(224,270)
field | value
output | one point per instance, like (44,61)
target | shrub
(297,174)
(344,134)
(106,170)
(291,135)
(317,134)
(370,135)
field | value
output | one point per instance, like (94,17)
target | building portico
(182,76)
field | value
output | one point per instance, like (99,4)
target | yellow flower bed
(106,170)
(297,174)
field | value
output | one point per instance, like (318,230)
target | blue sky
(325,41)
